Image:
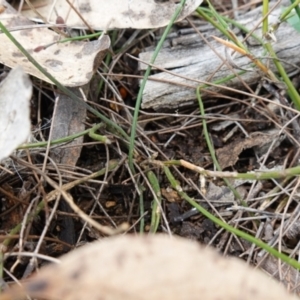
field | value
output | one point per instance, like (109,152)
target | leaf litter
(113,197)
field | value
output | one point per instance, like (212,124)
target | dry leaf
(15,125)
(71,63)
(229,154)
(148,268)
(170,195)
(104,15)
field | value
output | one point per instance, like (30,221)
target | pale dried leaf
(147,268)
(15,94)
(71,63)
(103,14)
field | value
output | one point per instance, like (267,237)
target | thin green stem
(257,175)
(156,203)
(221,21)
(224,29)
(80,37)
(243,28)
(291,90)
(203,13)
(210,146)
(295,5)
(98,137)
(143,84)
(107,62)
(66,91)
(142,209)
(292,262)
(60,140)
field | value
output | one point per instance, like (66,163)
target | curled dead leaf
(147,268)
(229,154)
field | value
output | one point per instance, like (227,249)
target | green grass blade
(143,84)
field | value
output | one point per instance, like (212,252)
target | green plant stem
(295,5)
(221,21)
(291,90)
(258,175)
(211,148)
(203,13)
(243,28)
(107,62)
(66,91)
(98,137)
(79,38)
(156,203)
(143,84)
(224,29)
(292,262)
(61,140)
(142,209)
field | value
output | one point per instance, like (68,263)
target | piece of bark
(70,115)
(68,119)
(198,62)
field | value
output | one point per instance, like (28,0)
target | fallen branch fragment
(193,62)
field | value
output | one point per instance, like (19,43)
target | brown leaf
(170,195)
(229,154)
